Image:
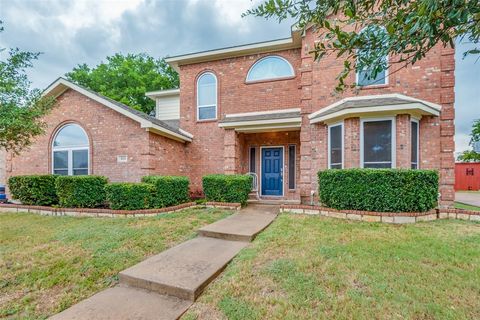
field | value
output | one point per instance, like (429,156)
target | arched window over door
(70,151)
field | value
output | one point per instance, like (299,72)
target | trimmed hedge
(81,191)
(36,190)
(169,190)
(129,196)
(381,190)
(227,188)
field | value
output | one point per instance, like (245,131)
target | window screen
(414,144)
(377,144)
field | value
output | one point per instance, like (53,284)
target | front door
(272,171)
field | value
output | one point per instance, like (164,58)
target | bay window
(377,143)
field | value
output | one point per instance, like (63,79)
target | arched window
(207,97)
(271,67)
(376,37)
(70,151)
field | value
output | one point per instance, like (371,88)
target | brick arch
(54,132)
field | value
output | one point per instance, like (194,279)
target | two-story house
(265,108)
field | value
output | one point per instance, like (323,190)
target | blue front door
(272,171)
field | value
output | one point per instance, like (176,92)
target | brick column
(306,75)
(403,141)
(447,128)
(351,142)
(231,152)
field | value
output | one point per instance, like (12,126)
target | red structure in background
(467,176)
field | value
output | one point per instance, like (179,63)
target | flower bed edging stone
(109,213)
(386,217)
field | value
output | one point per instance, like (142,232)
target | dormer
(167,104)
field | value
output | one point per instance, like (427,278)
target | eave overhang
(377,105)
(268,121)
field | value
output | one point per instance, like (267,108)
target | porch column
(403,141)
(231,152)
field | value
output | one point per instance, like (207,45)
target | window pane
(335,166)
(336,145)
(365,78)
(378,165)
(377,142)
(205,113)
(60,160)
(206,90)
(80,159)
(71,135)
(291,166)
(61,172)
(270,68)
(253,166)
(80,172)
(414,144)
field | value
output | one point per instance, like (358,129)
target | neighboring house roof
(376,104)
(162,93)
(294,41)
(148,122)
(285,119)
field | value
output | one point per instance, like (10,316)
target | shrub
(81,191)
(387,190)
(129,196)
(169,190)
(34,189)
(227,188)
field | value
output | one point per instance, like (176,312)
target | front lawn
(311,267)
(49,263)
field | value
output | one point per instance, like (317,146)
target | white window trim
(261,171)
(418,142)
(342,140)
(294,167)
(248,80)
(70,152)
(209,105)
(394,141)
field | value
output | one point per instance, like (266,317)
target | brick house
(265,108)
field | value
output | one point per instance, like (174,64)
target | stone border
(109,213)
(387,217)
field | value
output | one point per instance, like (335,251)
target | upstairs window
(70,151)
(375,37)
(271,67)
(207,97)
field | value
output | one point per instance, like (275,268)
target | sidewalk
(165,286)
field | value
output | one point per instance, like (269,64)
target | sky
(71,32)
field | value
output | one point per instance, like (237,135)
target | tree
(21,108)
(126,78)
(412,29)
(472,155)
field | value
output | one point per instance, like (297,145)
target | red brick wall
(206,153)
(110,134)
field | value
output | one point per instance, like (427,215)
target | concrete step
(125,303)
(185,270)
(242,226)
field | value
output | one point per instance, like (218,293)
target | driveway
(471,198)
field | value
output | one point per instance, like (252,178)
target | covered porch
(265,145)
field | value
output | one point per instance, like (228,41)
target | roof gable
(148,122)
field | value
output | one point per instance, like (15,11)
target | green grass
(49,263)
(310,267)
(460,205)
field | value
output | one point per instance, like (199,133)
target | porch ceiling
(386,104)
(267,121)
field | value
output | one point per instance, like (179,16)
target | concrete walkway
(471,198)
(165,286)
